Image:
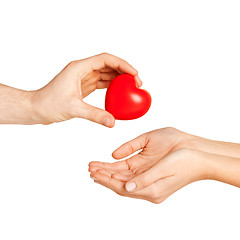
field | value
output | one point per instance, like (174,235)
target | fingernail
(139,80)
(107,122)
(93,178)
(131,186)
(94,168)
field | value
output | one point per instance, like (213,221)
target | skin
(169,160)
(62,98)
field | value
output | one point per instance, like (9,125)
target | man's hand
(62,98)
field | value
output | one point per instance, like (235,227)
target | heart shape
(124,100)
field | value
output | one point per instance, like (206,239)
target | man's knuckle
(72,63)
(104,54)
(170,128)
(92,115)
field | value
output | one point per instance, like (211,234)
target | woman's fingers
(104,171)
(158,171)
(114,184)
(129,167)
(120,174)
(130,147)
(156,192)
(93,168)
(123,175)
(131,164)
(116,166)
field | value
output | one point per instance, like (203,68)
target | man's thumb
(96,115)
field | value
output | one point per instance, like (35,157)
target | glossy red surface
(124,100)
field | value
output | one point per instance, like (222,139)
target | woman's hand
(62,98)
(155,145)
(169,160)
(160,169)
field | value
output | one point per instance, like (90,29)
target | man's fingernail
(107,122)
(93,178)
(139,80)
(131,186)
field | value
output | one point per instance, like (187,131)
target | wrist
(201,162)
(211,146)
(38,110)
(205,161)
(188,141)
(211,163)
(201,144)
(16,106)
(27,105)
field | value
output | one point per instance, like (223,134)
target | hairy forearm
(16,106)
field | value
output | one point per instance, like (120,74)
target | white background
(188,56)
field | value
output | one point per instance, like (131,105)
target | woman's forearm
(15,106)
(222,158)
(223,168)
(211,146)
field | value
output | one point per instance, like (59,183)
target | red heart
(124,100)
